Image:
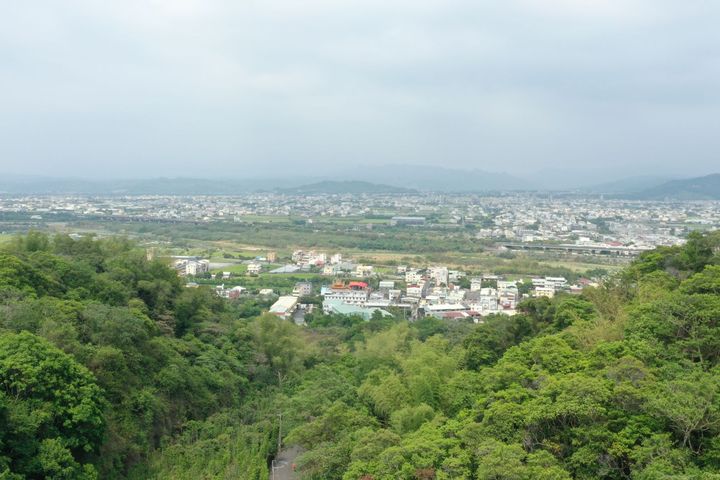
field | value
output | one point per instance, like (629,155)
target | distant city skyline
(601,90)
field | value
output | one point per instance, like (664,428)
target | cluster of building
(434,291)
(190,266)
(437,291)
(518,217)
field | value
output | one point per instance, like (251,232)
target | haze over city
(217,89)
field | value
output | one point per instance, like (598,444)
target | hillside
(627,185)
(699,188)
(394,179)
(438,179)
(340,187)
(110,368)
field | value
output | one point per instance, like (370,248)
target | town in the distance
(413,254)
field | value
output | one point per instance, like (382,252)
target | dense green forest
(110,368)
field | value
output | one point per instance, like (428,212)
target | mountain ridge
(345,186)
(706,187)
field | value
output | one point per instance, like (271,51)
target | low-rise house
(363,270)
(236,291)
(302,289)
(339,307)
(394,294)
(285,306)
(414,291)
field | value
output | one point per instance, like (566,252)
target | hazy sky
(205,88)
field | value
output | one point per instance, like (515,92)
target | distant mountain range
(626,185)
(386,179)
(152,186)
(332,187)
(439,179)
(698,188)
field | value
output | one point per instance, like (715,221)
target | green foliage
(281,352)
(219,447)
(51,409)
(116,315)
(618,383)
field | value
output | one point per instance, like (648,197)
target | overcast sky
(138,88)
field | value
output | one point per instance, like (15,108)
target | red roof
(357,285)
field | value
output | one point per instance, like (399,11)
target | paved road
(283,464)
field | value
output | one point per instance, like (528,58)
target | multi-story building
(363,270)
(414,291)
(353,293)
(413,277)
(439,275)
(192,266)
(302,289)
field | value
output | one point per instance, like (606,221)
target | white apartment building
(302,289)
(363,270)
(456,296)
(352,297)
(455,275)
(414,291)
(412,277)
(394,294)
(439,274)
(254,268)
(544,292)
(556,283)
(192,267)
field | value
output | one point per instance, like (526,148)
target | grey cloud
(141,88)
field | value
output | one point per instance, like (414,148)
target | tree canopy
(110,368)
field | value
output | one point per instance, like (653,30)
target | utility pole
(279,433)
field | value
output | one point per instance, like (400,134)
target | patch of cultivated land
(250,243)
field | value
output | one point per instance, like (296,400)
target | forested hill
(341,187)
(110,368)
(698,188)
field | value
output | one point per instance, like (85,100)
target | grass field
(238,269)
(582,267)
